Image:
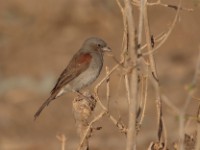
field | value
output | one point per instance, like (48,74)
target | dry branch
(83,107)
(118,124)
(143,100)
(159,3)
(154,73)
(132,78)
(163,36)
(130,63)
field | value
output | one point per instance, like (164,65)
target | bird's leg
(87,97)
(78,92)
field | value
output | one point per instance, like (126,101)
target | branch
(132,78)
(82,108)
(166,35)
(119,125)
(159,3)
(154,74)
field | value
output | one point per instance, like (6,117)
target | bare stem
(144,99)
(154,74)
(107,87)
(132,79)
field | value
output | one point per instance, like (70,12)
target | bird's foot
(86,95)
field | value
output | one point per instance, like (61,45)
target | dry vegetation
(146,98)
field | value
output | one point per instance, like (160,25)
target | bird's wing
(78,64)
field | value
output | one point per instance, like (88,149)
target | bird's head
(95,44)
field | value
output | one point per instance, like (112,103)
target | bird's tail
(46,103)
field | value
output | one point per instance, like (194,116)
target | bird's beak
(107,49)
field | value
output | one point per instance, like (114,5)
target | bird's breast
(88,76)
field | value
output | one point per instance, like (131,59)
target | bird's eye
(99,45)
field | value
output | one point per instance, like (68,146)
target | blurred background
(37,40)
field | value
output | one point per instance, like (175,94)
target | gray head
(95,44)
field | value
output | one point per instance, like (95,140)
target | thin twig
(120,6)
(107,87)
(164,134)
(167,34)
(144,99)
(154,73)
(119,125)
(140,25)
(170,6)
(127,89)
(89,128)
(159,3)
(105,78)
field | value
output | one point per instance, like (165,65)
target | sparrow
(82,70)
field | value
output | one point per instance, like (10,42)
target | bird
(83,69)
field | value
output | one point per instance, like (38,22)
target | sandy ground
(37,40)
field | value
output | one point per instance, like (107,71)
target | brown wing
(78,64)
